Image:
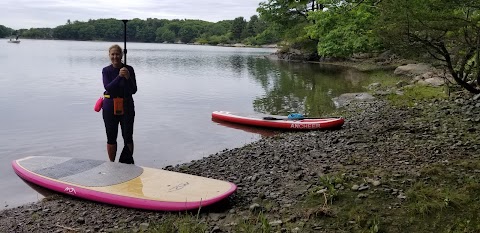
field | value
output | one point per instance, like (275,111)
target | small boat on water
(15,41)
(279,122)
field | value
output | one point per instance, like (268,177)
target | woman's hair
(117,47)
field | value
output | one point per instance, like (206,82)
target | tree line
(239,30)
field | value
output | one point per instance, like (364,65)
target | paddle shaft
(125,48)
(125,40)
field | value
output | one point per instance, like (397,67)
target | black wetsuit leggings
(126,123)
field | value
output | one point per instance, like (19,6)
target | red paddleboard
(278,122)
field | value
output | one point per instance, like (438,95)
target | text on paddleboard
(304,126)
(70,190)
(178,187)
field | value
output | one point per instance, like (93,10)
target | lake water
(48,89)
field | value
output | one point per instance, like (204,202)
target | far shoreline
(236,45)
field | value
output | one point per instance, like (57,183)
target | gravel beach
(277,172)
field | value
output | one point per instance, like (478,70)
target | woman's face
(115,57)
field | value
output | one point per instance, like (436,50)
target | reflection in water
(301,87)
(41,190)
(238,63)
(250,129)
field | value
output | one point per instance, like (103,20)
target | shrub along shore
(406,161)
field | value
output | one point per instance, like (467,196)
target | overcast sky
(19,14)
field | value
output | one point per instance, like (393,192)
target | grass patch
(339,209)
(254,224)
(413,95)
(431,171)
(445,197)
(35,216)
(183,168)
(180,223)
(426,199)
(386,79)
(447,202)
(366,66)
(470,164)
(347,214)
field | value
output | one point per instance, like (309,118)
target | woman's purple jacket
(117,86)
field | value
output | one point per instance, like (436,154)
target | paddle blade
(126,156)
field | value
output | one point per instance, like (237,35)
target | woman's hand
(124,73)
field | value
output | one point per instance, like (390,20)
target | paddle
(126,155)
(294,116)
(291,116)
(286,118)
(125,40)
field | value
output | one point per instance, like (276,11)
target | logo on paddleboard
(304,126)
(178,187)
(70,191)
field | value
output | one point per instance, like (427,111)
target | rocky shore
(302,181)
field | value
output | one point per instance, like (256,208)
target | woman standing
(118,106)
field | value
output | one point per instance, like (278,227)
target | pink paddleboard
(123,184)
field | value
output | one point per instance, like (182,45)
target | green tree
(344,29)
(37,33)
(187,33)
(251,26)
(86,33)
(220,28)
(159,33)
(5,31)
(65,32)
(268,36)
(174,26)
(238,26)
(168,36)
(145,34)
(448,30)
(223,39)
(164,34)
(289,18)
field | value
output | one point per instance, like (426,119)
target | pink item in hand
(98,104)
